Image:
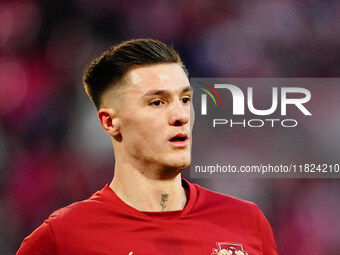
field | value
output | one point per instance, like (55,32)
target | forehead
(161,76)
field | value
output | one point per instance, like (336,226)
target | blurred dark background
(52,149)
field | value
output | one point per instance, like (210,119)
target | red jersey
(210,223)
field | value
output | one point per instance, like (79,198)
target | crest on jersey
(229,249)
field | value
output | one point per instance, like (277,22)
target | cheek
(136,130)
(149,133)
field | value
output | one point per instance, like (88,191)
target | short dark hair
(113,64)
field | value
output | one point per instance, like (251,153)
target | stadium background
(52,149)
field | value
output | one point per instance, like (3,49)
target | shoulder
(82,210)
(219,205)
(66,224)
(228,211)
(218,199)
(40,241)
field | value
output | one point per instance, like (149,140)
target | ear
(109,121)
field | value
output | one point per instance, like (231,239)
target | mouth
(180,140)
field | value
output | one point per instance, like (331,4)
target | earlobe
(109,121)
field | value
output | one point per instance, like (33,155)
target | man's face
(154,116)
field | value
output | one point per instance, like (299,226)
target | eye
(156,103)
(185,100)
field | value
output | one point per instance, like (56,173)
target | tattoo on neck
(163,200)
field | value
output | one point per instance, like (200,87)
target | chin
(179,164)
(176,162)
(171,171)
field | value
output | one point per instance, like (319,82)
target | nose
(179,114)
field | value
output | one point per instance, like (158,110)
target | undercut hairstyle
(111,67)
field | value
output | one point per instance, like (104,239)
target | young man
(142,93)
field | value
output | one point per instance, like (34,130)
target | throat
(148,195)
(164,199)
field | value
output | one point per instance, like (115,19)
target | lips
(179,140)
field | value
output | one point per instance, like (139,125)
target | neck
(148,193)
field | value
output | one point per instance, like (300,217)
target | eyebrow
(164,92)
